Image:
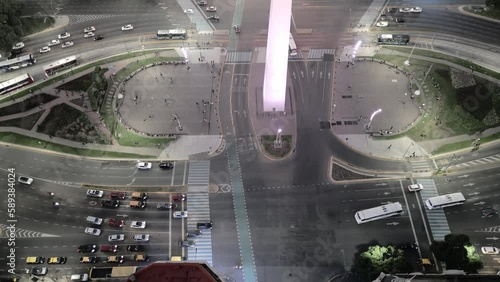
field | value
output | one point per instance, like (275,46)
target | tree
(10,23)
(376,259)
(493,3)
(97,88)
(457,252)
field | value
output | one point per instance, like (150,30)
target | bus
(393,39)
(52,68)
(443,201)
(16,63)
(17,82)
(292,46)
(172,34)
(379,212)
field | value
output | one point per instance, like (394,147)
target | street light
(277,142)
(371,118)
(407,62)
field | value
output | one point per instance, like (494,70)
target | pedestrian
(391,127)
(389,147)
(40,107)
(197,104)
(349,87)
(204,111)
(161,74)
(50,136)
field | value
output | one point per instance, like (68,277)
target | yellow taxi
(57,260)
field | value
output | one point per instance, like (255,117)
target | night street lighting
(371,118)
(278,142)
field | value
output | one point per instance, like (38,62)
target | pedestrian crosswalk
(436,218)
(198,207)
(483,161)
(239,57)
(319,53)
(421,165)
(296,57)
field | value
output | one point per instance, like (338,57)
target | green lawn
(268,143)
(27,104)
(81,83)
(37,143)
(490,13)
(26,122)
(32,25)
(464,144)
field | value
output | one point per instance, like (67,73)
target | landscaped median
(138,188)
(276,148)
(459,97)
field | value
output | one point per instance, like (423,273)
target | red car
(117,195)
(116,222)
(178,198)
(109,248)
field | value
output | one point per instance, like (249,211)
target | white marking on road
(185,173)
(173,174)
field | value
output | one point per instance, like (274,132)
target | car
(38,271)
(138,224)
(386,18)
(166,165)
(180,214)
(489,250)
(54,42)
(95,193)
(57,260)
(141,237)
(211,9)
(110,203)
(89,34)
(204,225)
(194,234)
(143,165)
(400,20)
(404,10)
(25,180)
(94,220)
(139,195)
(137,204)
(99,37)
(392,10)
(113,222)
(89,248)
(415,187)
(35,260)
(416,10)
(45,49)
(127,27)
(67,44)
(188,11)
(166,206)
(92,231)
(141,258)
(115,259)
(116,238)
(89,29)
(64,35)
(79,277)
(19,45)
(187,243)
(178,198)
(109,248)
(135,248)
(202,3)
(407,246)
(213,18)
(489,212)
(117,195)
(382,24)
(88,259)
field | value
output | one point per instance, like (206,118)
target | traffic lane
(468,217)
(470,184)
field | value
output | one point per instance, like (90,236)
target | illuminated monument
(275,75)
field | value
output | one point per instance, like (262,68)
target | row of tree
(11,29)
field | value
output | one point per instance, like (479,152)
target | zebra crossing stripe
(438,222)
(233,57)
(319,53)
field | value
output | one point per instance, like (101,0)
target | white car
(415,187)
(67,44)
(180,214)
(138,224)
(116,238)
(188,11)
(404,10)
(92,231)
(141,237)
(143,165)
(127,27)
(382,24)
(89,29)
(416,10)
(211,9)
(490,250)
(18,45)
(64,35)
(25,180)
(45,49)
(54,42)
(95,193)
(89,34)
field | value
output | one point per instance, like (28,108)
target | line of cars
(385,18)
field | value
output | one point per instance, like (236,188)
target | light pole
(407,62)
(408,149)
(278,142)
(371,118)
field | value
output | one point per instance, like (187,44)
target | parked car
(95,193)
(54,42)
(92,231)
(64,35)
(127,27)
(25,180)
(89,29)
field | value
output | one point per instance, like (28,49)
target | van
(94,220)
(137,204)
(35,260)
(80,277)
(139,196)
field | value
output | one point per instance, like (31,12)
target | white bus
(62,64)
(15,83)
(378,212)
(445,201)
(292,46)
(179,33)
